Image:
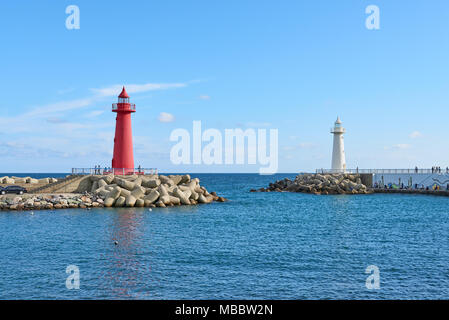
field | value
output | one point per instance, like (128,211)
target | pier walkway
(444,193)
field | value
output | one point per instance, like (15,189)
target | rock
(140,203)
(138,192)
(125,192)
(205,199)
(151,183)
(165,199)
(128,185)
(319,184)
(112,196)
(120,202)
(109,178)
(101,183)
(163,190)
(187,193)
(103,192)
(85,199)
(151,197)
(182,197)
(185,179)
(176,179)
(166,180)
(8,181)
(130,201)
(160,204)
(174,200)
(94,186)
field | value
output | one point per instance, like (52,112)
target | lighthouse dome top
(123,94)
(338,121)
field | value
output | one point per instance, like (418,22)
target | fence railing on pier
(385,171)
(116,171)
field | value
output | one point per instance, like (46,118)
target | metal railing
(116,171)
(385,171)
(127,107)
(338,130)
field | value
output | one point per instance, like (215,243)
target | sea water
(256,246)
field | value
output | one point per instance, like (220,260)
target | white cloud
(306,145)
(166,117)
(302,145)
(401,146)
(94,113)
(415,134)
(204,97)
(135,88)
(28,121)
(61,106)
(55,120)
(65,91)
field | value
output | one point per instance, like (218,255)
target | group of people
(97,169)
(438,169)
(435,169)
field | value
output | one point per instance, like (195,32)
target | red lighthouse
(123,159)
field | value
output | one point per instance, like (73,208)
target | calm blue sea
(256,246)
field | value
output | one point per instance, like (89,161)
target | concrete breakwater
(320,184)
(154,190)
(119,191)
(443,193)
(26,180)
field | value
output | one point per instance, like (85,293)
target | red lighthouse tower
(123,159)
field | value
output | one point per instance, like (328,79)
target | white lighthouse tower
(338,152)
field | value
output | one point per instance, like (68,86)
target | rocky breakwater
(320,184)
(119,191)
(50,202)
(151,191)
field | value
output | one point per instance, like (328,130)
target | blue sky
(288,65)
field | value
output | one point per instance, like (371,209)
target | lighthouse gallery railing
(117,171)
(115,107)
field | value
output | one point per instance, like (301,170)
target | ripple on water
(257,246)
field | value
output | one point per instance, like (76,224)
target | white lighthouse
(338,152)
